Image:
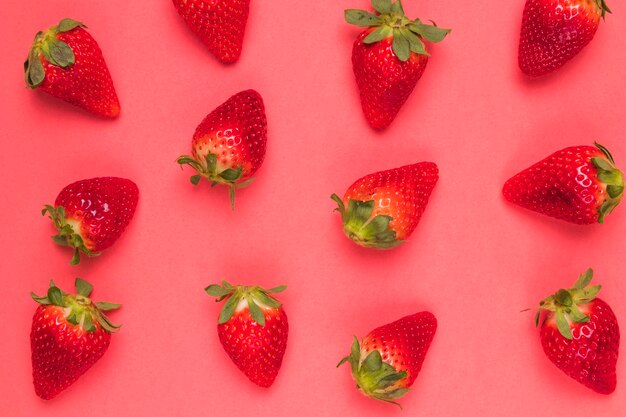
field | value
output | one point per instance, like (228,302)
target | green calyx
(362,228)
(257,299)
(67,236)
(79,309)
(55,51)
(389,20)
(603,7)
(564,303)
(375,378)
(208,169)
(613,180)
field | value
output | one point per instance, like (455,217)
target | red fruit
(580,335)
(70,333)
(253,329)
(220,24)
(554,31)
(66,62)
(90,215)
(388,58)
(579,184)
(384,208)
(387,361)
(228,147)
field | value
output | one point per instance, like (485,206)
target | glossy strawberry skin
(591,356)
(554,31)
(220,24)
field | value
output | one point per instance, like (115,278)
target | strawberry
(91,214)
(253,329)
(386,361)
(555,31)
(388,58)
(220,24)
(579,184)
(384,208)
(228,146)
(580,334)
(66,62)
(70,333)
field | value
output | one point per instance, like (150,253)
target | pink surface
(474,260)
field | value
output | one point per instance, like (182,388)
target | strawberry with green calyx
(69,334)
(66,62)
(253,329)
(388,58)
(580,334)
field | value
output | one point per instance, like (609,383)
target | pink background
(474,260)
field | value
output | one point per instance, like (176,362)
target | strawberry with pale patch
(578,184)
(228,146)
(253,329)
(90,215)
(66,62)
(580,334)
(69,334)
(387,361)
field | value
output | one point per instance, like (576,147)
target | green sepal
(612,178)
(104,306)
(361,18)
(400,45)
(55,296)
(195,179)
(65,25)
(431,33)
(378,34)
(66,235)
(59,53)
(382,6)
(603,7)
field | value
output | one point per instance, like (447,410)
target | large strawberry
(579,184)
(388,58)
(70,333)
(382,209)
(253,329)
(580,334)
(228,146)
(220,24)
(66,62)
(554,31)
(387,361)
(91,214)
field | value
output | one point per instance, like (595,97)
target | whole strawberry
(388,58)
(382,209)
(70,333)
(555,31)
(90,215)
(579,184)
(580,335)
(253,329)
(387,361)
(66,62)
(228,146)
(220,24)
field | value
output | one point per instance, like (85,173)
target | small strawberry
(579,184)
(91,214)
(388,58)
(384,208)
(66,62)
(580,335)
(387,361)
(253,329)
(220,24)
(554,31)
(228,146)
(70,333)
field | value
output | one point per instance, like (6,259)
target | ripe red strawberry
(228,147)
(70,333)
(579,184)
(66,62)
(388,58)
(220,24)
(384,208)
(91,214)
(580,335)
(253,329)
(554,31)
(387,361)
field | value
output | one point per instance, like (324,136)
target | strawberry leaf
(229,309)
(378,34)
(83,287)
(584,279)
(278,289)
(382,6)
(400,46)
(104,306)
(55,296)
(361,18)
(60,53)
(614,191)
(256,312)
(66,25)
(563,325)
(373,362)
